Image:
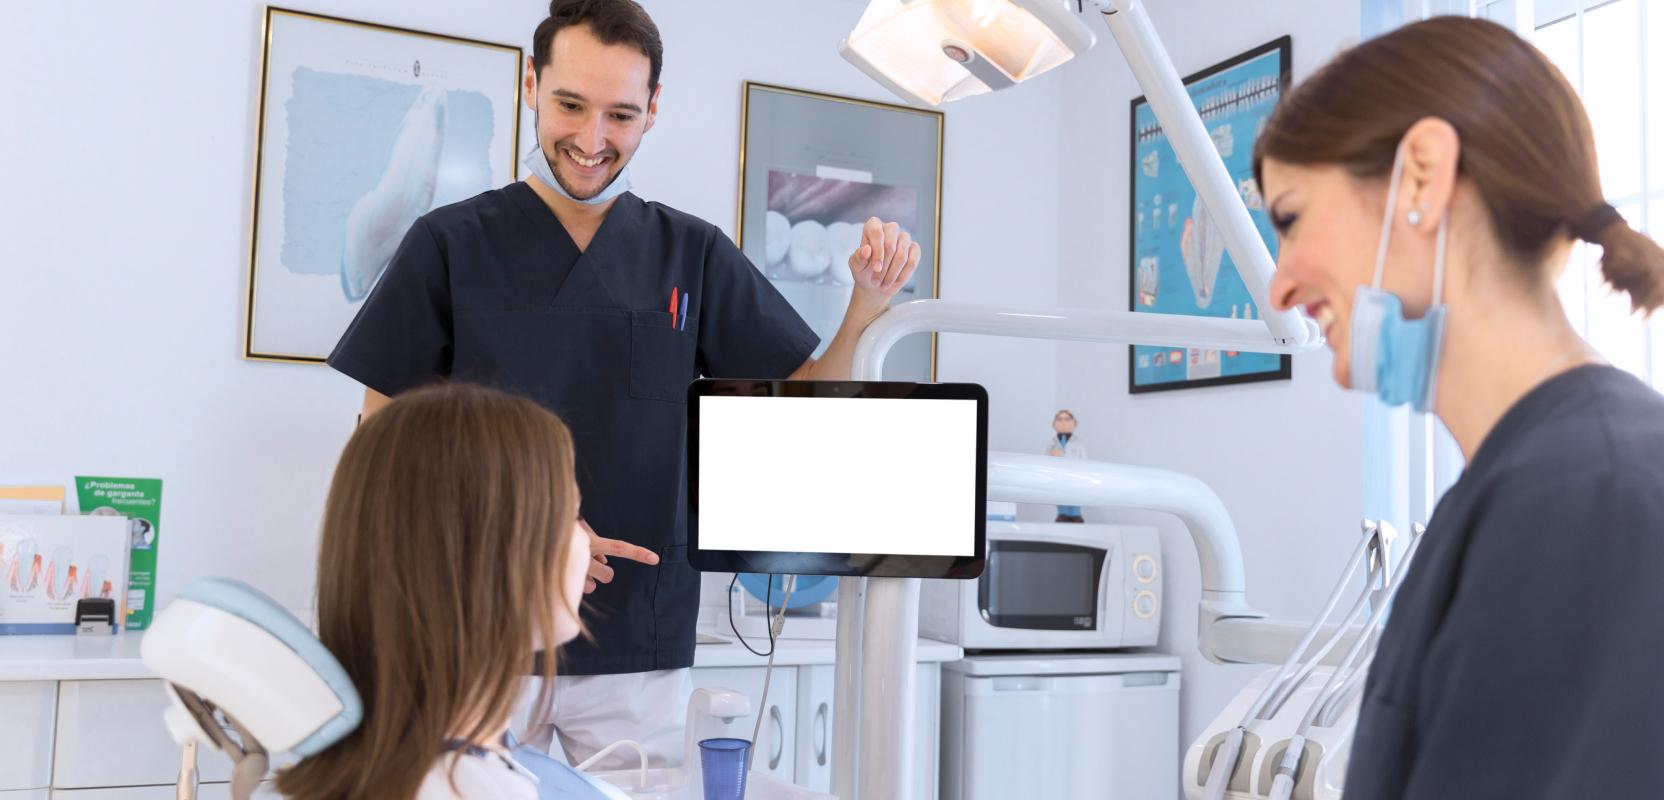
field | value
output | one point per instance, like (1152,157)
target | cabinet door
(110,733)
(26,735)
(814,729)
(26,794)
(776,742)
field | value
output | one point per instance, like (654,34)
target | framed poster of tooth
(813,168)
(362,128)
(1179,264)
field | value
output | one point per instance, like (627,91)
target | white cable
(641,755)
(1370,530)
(776,624)
(1344,672)
(1311,664)
(1329,708)
(1224,759)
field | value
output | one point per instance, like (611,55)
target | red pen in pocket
(672,306)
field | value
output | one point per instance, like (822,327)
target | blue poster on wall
(1179,263)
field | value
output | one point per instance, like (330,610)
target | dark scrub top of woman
(1524,657)
(493,290)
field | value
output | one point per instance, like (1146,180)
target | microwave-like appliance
(1052,586)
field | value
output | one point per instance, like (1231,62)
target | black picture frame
(1283,46)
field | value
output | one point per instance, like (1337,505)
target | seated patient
(450,554)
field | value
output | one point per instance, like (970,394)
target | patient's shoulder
(478,775)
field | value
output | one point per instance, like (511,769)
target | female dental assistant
(602,307)
(1427,187)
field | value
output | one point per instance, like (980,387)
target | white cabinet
(26,735)
(25,794)
(110,733)
(775,743)
(814,729)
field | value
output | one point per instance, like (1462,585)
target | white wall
(126,189)
(126,185)
(1285,457)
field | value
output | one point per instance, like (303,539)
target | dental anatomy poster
(48,562)
(137,502)
(1179,264)
(363,128)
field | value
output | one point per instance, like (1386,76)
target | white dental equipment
(903,44)
(233,658)
(1234,759)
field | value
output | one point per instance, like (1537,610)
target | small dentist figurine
(1065,444)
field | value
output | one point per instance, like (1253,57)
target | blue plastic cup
(724,763)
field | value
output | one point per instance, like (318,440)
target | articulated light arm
(1150,64)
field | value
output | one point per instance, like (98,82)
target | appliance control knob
(1144,604)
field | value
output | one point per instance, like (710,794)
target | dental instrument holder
(95,616)
(878,619)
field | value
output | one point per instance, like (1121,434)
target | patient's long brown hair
(444,541)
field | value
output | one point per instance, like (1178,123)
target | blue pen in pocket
(687,300)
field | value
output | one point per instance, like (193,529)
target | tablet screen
(838,475)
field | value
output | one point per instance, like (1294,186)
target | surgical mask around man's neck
(537,163)
(1394,357)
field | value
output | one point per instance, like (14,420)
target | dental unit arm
(878,617)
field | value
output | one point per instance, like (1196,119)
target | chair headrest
(232,646)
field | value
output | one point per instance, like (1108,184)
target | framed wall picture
(813,168)
(1178,259)
(362,129)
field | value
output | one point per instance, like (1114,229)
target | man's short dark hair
(612,21)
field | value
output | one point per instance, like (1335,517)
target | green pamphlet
(140,500)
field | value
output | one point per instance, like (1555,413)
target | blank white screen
(837,475)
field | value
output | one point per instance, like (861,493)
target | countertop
(60,658)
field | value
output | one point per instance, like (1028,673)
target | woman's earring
(1414,217)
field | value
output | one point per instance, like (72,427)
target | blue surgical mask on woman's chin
(1394,357)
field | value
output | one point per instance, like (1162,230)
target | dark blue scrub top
(493,290)
(1524,657)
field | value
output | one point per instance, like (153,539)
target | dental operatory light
(933,51)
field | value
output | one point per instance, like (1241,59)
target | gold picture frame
(350,81)
(794,140)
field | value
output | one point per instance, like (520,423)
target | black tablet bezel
(840,564)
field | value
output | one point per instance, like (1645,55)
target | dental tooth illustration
(809,255)
(380,219)
(1149,280)
(777,237)
(1223,141)
(1203,247)
(59,572)
(93,583)
(1152,165)
(1250,192)
(23,575)
(1173,215)
(843,239)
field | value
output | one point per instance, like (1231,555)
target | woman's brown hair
(1526,143)
(444,541)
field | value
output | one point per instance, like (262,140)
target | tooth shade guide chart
(1179,240)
